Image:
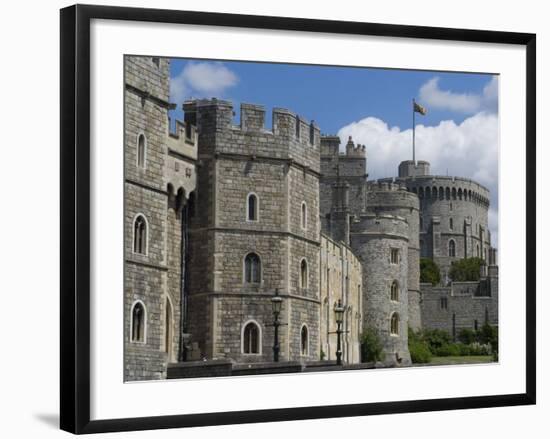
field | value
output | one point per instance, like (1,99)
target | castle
(220,218)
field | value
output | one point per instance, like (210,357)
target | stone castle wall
(394,199)
(156,190)
(281,168)
(454,209)
(372,239)
(340,278)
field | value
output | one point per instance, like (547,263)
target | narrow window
(394,324)
(394,292)
(476,325)
(450,223)
(251,339)
(394,256)
(138,323)
(140,235)
(141,151)
(297,127)
(443,303)
(451,206)
(168,327)
(303,274)
(452,249)
(252,207)
(304,340)
(421,223)
(477,250)
(304,215)
(252,268)
(311,134)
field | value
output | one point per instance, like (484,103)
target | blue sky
(458,135)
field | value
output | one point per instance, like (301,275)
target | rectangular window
(394,256)
(443,303)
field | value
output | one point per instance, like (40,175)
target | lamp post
(276,304)
(339,316)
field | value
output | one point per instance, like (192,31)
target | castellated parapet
(291,137)
(388,197)
(349,166)
(374,238)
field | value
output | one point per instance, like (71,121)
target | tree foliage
(371,346)
(429,271)
(466,269)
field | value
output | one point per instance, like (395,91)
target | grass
(473,359)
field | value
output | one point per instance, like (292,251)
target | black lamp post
(339,316)
(276,304)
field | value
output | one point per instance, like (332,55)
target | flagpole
(414,128)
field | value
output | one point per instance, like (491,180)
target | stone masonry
(219,217)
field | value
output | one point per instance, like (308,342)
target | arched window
(168,334)
(303,274)
(394,293)
(252,268)
(420,192)
(394,324)
(304,345)
(447,193)
(452,248)
(252,207)
(138,323)
(454,193)
(251,338)
(304,215)
(450,223)
(141,146)
(140,235)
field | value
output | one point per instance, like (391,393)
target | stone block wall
(372,239)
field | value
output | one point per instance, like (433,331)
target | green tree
(466,269)
(371,346)
(429,271)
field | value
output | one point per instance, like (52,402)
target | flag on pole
(417,108)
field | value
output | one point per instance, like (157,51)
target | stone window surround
(396,316)
(302,286)
(396,284)
(136,216)
(260,267)
(394,251)
(257,213)
(303,215)
(144,166)
(168,301)
(259,328)
(302,353)
(138,301)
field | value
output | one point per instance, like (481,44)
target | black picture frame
(75,218)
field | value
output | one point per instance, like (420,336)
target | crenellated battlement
(183,139)
(291,136)
(374,224)
(330,147)
(386,184)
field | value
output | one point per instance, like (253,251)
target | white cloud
(201,79)
(432,96)
(469,149)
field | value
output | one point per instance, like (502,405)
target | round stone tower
(386,197)
(381,242)
(453,218)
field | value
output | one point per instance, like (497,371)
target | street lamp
(339,316)
(276,304)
